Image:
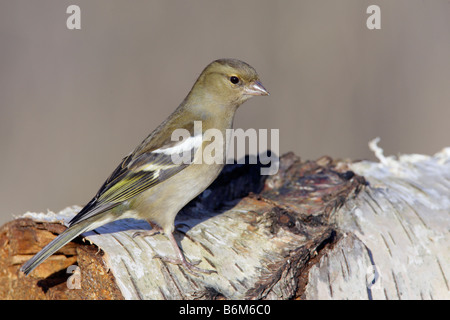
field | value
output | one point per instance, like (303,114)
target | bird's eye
(234,80)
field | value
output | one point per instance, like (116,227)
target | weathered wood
(395,234)
(316,230)
(21,238)
(258,243)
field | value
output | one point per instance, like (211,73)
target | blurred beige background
(74,102)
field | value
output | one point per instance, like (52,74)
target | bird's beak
(256,89)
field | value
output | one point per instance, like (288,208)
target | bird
(148,184)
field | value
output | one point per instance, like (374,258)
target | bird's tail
(54,246)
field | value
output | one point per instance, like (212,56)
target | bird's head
(228,82)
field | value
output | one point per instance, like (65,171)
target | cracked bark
(316,230)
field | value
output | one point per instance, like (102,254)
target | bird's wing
(142,169)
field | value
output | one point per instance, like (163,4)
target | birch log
(395,236)
(316,230)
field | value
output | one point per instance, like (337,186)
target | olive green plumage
(147,184)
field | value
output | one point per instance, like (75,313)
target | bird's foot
(192,267)
(146,233)
(155,230)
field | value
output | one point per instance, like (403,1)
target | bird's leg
(155,230)
(181,259)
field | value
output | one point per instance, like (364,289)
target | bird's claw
(147,233)
(190,266)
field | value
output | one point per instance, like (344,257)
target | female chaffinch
(148,184)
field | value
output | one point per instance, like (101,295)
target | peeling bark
(316,230)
